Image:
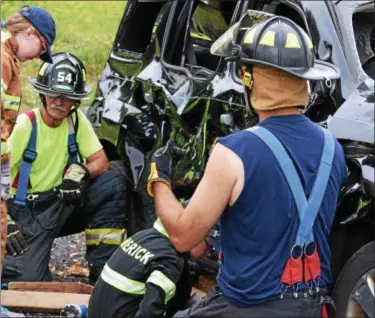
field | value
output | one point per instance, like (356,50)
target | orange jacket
(10,89)
(10,104)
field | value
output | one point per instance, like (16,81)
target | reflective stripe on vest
(160,227)
(131,286)
(307,210)
(4,86)
(5,35)
(11,102)
(159,279)
(121,282)
(105,236)
(30,154)
(4,148)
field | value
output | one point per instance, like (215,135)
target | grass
(84,28)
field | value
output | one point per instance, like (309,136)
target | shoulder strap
(317,194)
(307,210)
(73,148)
(29,156)
(286,164)
(31,115)
(72,144)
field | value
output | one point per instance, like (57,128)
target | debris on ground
(68,259)
(67,263)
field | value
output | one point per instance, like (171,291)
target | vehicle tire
(354,290)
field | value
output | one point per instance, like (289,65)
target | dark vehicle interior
(188,45)
(286,9)
(188,49)
(189,42)
(364,33)
(136,31)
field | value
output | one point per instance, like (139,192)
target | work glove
(161,166)
(5,180)
(16,243)
(70,190)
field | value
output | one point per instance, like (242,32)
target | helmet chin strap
(43,99)
(247,83)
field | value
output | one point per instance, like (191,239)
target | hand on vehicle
(161,166)
(5,180)
(16,243)
(70,190)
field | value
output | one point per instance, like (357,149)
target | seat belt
(303,264)
(22,180)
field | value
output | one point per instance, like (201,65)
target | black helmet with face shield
(261,38)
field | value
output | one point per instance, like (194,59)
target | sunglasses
(63,98)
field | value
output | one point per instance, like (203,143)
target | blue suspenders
(307,209)
(30,154)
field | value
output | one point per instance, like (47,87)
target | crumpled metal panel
(357,195)
(354,120)
(140,104)
(345,10)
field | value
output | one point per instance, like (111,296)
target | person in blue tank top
(273,187)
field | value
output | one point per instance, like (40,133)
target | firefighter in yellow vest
(61,183)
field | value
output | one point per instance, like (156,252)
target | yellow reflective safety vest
(145,277)
(10,80)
